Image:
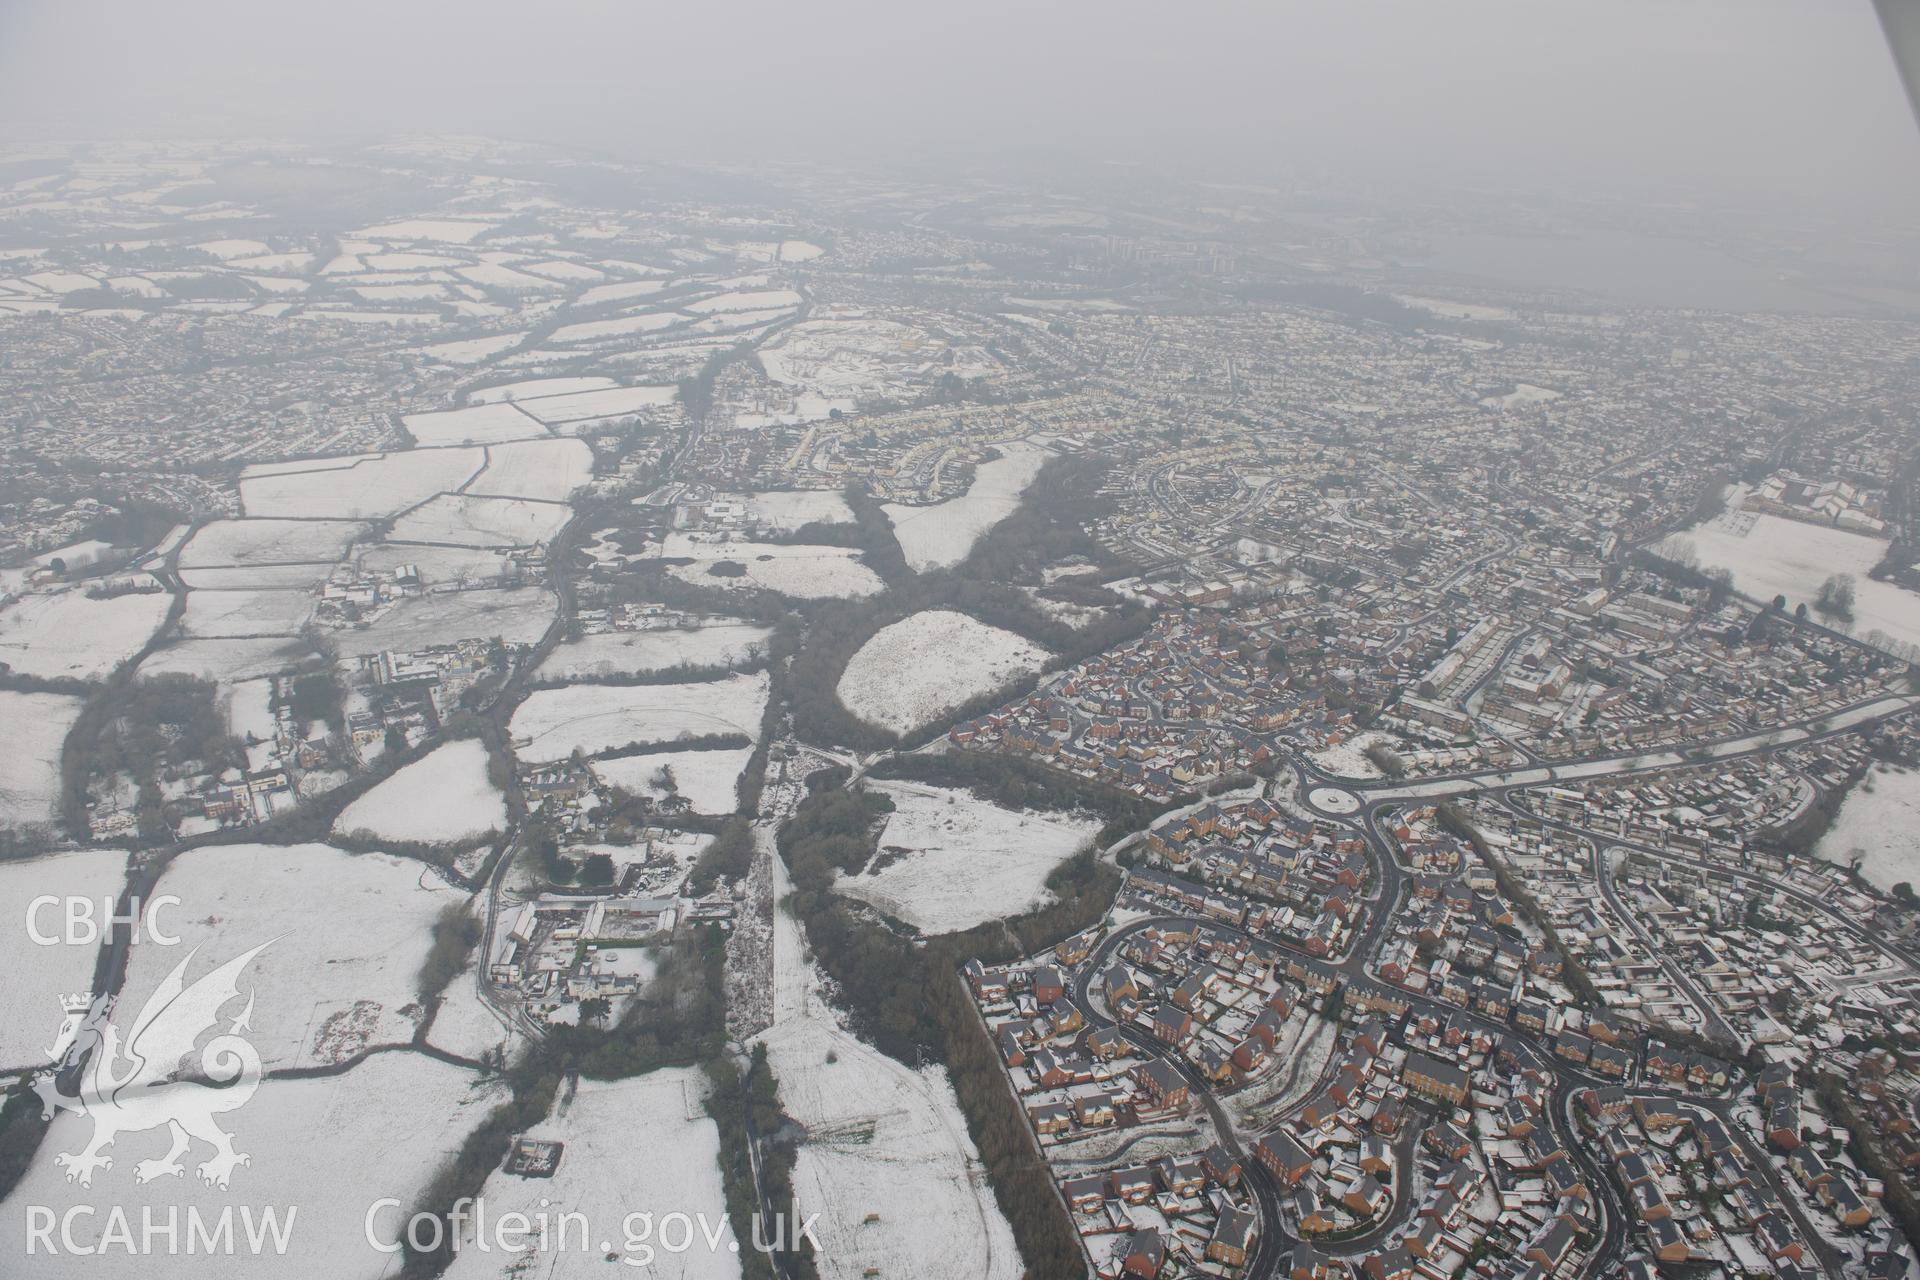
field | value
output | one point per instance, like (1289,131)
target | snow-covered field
(705,779)
(261,542)
(1879,829)
(1523,393)
(457,520)
(883,1140)
(926,664)
(39,974)
(65,634)
(37,725)
(591,330)
(443,230)
(305,577)
(438,566)
(849,356)
(1778,556)
(245,613)
(604,403)
(803,572)
(787,510)
(327,1148)
(471,350)
(553,723)
(1349,759)
(249,708)
(443,797)
(349,933)
(953,861)
(755,300)
(619,653)
(463,1024)
(547,469)
(604,293)
(643,1145)
(372,490)
(1454,310)
(532,388)
(518,615)
(940,536)
(223,660)
(474,424)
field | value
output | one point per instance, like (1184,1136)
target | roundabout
(1333,800)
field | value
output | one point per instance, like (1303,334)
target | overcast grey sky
(1741,99)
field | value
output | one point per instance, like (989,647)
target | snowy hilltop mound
(919,668)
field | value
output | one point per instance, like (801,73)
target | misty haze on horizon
(1774,105)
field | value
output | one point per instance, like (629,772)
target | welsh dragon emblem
(146,1083)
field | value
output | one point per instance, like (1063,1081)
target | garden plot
(803,572)
(372,490)
(626,653)
(887,1164)
(226,543)
(949,861)
(212,614)
(461,521)
(606,1174)
(606,403)
(69,636)
(549,470)
(707,780)
(37,726)
(914,671)
(1771,555)
(790,510)
(551,724)
(940,536)
(1875,828)
(475,424)
(225,660)
(444,797)
(349,933)
(518,615)
(328,1148)
(534,388)
(37,976)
